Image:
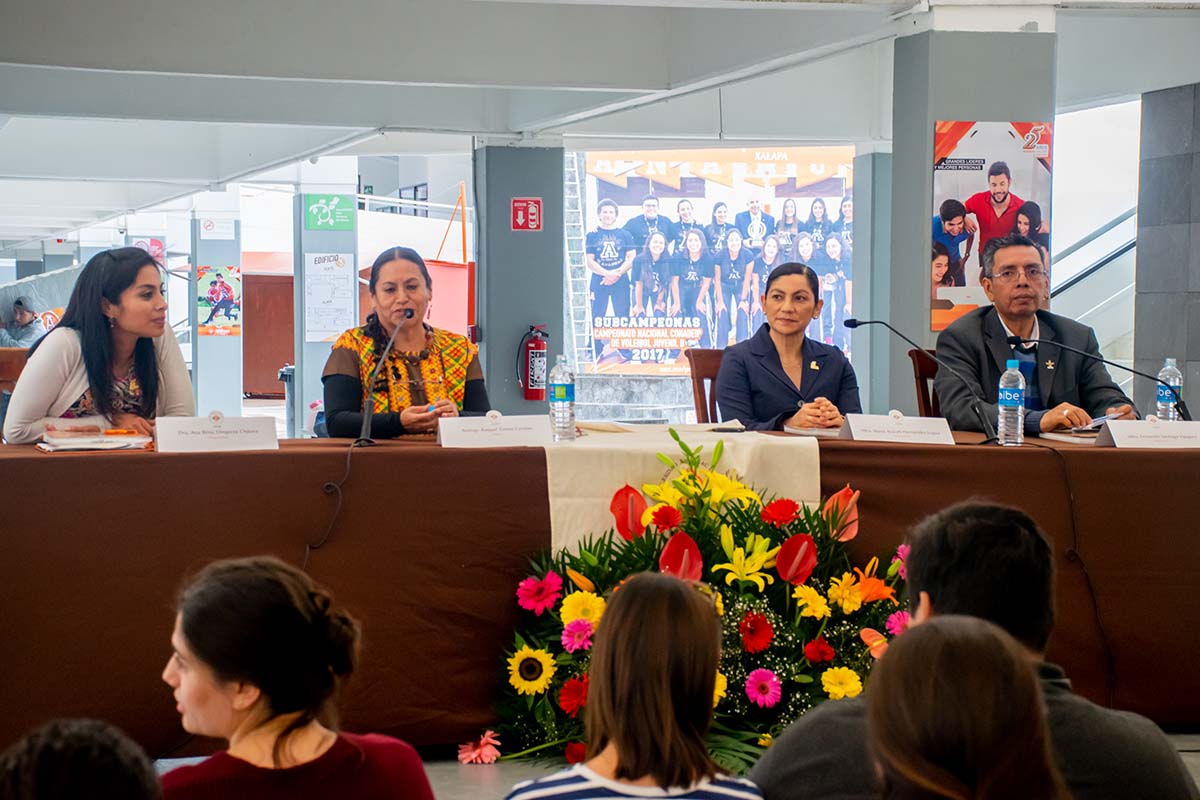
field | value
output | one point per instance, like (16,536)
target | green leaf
(718,450)
(520,641)
(803,678)
(543,712)
(591,560)
(666,459)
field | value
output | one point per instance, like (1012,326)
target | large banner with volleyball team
(679,243)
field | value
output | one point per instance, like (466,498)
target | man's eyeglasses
(1032,274)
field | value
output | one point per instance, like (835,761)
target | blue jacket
(752,386)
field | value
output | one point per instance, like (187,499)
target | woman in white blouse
(110,362)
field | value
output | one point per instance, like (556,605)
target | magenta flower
(577,635)
(763,688)
(538,595)
(902,557)
(897,623)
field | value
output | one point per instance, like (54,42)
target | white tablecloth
(584,474)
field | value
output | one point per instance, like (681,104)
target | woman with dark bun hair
(260,653)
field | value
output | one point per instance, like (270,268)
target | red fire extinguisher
(531,362)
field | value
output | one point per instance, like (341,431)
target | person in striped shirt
(650,699)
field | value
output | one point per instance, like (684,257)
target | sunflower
(530,671)
(582,605)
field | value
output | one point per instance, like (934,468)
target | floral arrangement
(801,625)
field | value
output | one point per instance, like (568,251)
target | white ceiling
(110,107)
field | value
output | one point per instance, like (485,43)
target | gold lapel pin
(813,365)
(1049,364)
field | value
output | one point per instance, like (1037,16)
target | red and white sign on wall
(527,213)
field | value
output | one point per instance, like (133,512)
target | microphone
(985,423)
(1180,406)
(364,435)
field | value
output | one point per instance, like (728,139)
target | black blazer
(975,344)
(752,386)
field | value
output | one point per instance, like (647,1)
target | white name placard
(897,428)
(1149,433)
(214,434)
(495,431)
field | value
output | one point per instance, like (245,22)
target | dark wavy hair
(106,276)
(263,622)
(71,758)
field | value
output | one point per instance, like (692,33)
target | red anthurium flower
(844,506)
(576,753)
(681,558)
(818,650)
(756,631)
(573,695)
(780,512)
(796,558)
(666,518)
(627,508)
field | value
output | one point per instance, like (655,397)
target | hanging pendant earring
(112,322)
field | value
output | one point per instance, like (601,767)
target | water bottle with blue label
(1010,428)
(1171,375)
(562,400)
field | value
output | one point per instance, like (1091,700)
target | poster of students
(219,301)
(990,179)
(678,244)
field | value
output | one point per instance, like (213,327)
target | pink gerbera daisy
(897,623)
(483,751)
(538,595)
(902,557)
(577,635)
(763,688)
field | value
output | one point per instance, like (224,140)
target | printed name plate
(896,427)
(214,434)
(495,430)
(1149,433)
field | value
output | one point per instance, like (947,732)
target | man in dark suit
(755,225)
(1062,389)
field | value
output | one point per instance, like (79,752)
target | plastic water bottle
(1011,428)
(562,400)
(1166,401)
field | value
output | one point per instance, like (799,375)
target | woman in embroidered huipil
(429,373)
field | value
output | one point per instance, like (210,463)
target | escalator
(1097,289)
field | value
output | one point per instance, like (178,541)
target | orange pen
(120,432)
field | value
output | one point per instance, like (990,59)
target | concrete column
(1167,299)
(29,262)
(216,348)
(520,272)
(871,346)
(996,64)
(59,255)
(325,222)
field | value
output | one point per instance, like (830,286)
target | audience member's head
(954,710)
(651,680)
(68,759)
(984,560)
(255,641)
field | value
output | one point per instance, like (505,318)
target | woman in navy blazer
(779,376)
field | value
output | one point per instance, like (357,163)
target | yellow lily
(761,546)
(724,489)
(727,541)
(663,493)
(746,568)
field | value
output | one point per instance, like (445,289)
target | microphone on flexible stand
(364,435)
(985,424)
(1180,406)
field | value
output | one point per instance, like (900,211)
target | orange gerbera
(873,588)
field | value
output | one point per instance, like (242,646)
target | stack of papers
(58,441)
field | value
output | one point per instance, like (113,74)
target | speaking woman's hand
(419,419)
